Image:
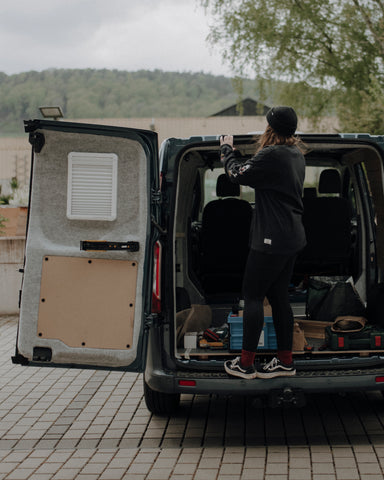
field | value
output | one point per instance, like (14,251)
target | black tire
(160,403)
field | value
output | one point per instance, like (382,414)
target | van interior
(343,201)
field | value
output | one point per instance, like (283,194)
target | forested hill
(114,94)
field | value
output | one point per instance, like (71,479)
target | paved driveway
(86,424)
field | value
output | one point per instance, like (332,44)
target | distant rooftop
(247,107)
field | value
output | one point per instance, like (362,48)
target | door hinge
(19,359)
(37,140)
(156,197)
(153,320)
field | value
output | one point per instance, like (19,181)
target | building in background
(15,153)
(246,107)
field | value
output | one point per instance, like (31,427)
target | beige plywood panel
(88,303)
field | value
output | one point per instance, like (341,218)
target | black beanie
(283,120)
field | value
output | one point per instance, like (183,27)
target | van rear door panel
(87,282)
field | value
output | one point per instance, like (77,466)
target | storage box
(369,338)
(190,340)
(267,337)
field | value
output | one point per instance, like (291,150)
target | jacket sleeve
(256,172)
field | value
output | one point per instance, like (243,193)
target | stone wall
(11,260)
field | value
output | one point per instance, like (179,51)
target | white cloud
(122,34)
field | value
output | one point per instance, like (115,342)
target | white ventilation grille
(92,186)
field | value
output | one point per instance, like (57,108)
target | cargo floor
(315,345)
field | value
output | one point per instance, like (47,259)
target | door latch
(97,245)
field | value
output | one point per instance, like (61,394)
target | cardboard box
(267,311)
(313,328)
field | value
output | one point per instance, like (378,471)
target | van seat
(327,223)
(309,192)
(224,239)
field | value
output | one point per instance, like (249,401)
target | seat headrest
(330,181)
(225,188)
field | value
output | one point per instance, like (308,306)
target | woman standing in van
(276,173)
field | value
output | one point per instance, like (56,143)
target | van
(132,255)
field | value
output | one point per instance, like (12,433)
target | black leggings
(268,276)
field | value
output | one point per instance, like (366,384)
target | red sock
(247,358)
(285,356)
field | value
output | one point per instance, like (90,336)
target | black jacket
(277,175)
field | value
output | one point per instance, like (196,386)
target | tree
(114,94)
(331,51)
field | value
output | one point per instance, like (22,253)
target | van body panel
(87,284)
(92,307)
(310,382)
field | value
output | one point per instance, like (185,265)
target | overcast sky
(116,34)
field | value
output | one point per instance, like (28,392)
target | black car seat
(310,192)
(327,223)
(224,239)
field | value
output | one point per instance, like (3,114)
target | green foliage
(2,224)
(370,118)
(329,54)
(19,195)
(114,94)
(14,183)
(4,199)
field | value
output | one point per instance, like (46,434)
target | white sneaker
(233,367)
(275,368)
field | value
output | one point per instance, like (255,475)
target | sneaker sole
(281,373)
(234,373)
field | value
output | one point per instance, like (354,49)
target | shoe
(233,367)
(275,368)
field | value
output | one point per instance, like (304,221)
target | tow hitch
(286,396)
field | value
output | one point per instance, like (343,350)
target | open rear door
(87,282)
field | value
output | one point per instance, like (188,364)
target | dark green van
(125,242)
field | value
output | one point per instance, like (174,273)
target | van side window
(210,181)
(196,199)
(322,181)
(351,195)
(370,196)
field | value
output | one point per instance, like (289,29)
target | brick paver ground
(64,424)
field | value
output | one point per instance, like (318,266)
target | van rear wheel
(160,403)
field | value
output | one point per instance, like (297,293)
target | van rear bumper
(220,383)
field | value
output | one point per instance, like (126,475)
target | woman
(276,173)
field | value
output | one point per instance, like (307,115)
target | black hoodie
(277,175)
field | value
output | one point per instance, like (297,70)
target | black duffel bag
(375,305)
(331,297)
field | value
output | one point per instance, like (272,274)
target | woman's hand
(226,140)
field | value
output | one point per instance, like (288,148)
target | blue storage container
(267,337)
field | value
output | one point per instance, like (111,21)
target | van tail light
(379,379)
(187,383)
(156,298)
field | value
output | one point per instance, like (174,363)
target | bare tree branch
(379,39)
(380,3)
(320,30)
